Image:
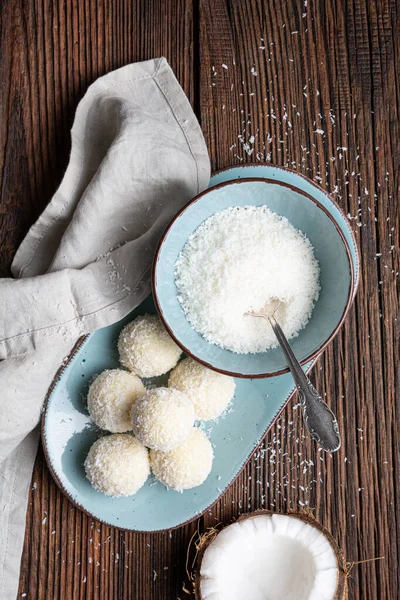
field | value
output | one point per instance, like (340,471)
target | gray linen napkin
(137,156)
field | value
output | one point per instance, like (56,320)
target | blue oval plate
(68,433)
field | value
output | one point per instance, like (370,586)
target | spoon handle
(318,417)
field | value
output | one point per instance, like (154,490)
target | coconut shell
(341,589)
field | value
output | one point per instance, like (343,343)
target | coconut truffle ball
(184,467)
(111,397)
(209,391)
(162,418)
(117,465)
(146,348)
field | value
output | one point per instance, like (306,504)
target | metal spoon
(318,417)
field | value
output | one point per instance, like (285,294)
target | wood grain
(313,86)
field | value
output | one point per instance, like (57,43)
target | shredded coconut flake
(238,260)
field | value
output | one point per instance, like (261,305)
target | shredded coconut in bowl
(238,260)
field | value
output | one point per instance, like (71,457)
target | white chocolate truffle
(110,399)
(146,348)
(162,418)
(209,391)
(184,467)
(117,465)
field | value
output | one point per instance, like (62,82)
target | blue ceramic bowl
(304,212)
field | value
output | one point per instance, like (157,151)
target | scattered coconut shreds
(329,118)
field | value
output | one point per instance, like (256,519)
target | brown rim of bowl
(341,584)
(76,504)
(316,352)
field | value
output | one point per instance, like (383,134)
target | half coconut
(269,556)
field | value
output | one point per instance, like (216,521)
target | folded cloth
(137,156)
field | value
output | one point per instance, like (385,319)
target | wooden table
(311,85)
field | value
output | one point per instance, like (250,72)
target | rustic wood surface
(311,85)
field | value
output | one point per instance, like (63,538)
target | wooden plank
(323,66)
(312,87)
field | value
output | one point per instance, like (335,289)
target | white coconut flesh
(269,557)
